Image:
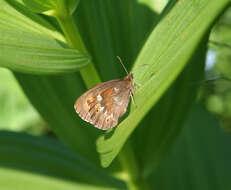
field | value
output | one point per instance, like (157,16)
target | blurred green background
(217,85)
(16,113)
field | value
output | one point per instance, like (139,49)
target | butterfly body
(105,103)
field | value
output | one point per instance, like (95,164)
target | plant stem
(130,167)
(70,30)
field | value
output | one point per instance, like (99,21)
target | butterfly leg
(132,97)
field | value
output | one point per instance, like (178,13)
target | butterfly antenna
(122,64)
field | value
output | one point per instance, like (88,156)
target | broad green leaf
(21,180)
(167,50)
(54,96)
(56,106)
(200,158)
(40,6)
(23,50)
(17,17)
(162,125)
(39,60)
(24,155)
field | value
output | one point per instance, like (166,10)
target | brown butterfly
(105,103)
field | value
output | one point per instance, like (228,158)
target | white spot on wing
(112,117)
(99,98)
(116,90)
(101,108)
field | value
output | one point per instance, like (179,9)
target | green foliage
(197,161)
(172,44)
(164,65)
(52,7)
(48,157)
(24,50)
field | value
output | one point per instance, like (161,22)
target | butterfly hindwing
(104,104)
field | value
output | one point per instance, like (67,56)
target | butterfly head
(129,77)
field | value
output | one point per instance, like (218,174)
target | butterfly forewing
(105,103)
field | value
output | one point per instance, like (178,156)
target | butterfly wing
(104,104)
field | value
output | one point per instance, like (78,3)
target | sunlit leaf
(23,50)
(167,50)
(163,123)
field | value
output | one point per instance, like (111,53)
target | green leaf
(200,158)
(21,180)
(23,50)
(38,60)
(121,37)
(166,51)
(173,107)
(32,159)
(40,6)
(54,96)
(56,106)
(17,17)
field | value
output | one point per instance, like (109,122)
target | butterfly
(104,104)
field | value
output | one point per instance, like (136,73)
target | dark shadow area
(200,157)
(49,157)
